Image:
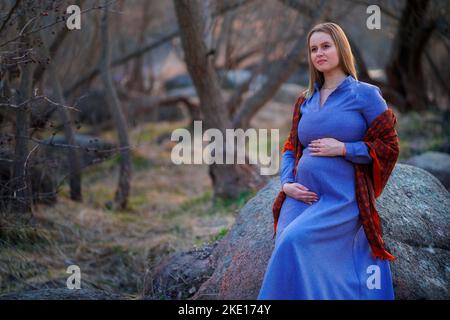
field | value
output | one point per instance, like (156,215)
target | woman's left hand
(328,147)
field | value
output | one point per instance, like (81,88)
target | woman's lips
(321,61)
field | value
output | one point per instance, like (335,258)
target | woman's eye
(314,49)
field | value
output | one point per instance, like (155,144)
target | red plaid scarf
(382,141)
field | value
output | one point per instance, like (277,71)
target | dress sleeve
(287,167)
(373,105)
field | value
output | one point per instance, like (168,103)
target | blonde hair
(346,59)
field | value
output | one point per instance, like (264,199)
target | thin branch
(277,76)
(66,146)
(46,26)
(25,170)
(388,12)
(437,72)
(140,51)
(21,105)
(25,26)
(10,13)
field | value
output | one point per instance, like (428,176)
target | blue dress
(321,250)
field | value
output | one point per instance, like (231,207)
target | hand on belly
(328,147)
(300,192)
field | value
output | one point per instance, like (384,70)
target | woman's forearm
(287,167)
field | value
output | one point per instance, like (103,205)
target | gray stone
(92,150)
(414,209)
(93,109)
(179,81)
(437,163)
(181,274)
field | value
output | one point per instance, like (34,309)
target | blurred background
(86,117)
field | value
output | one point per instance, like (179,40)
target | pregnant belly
(322,174)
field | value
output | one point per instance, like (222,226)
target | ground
(170,209)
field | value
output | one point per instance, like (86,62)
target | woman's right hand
(300,192)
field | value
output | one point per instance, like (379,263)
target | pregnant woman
(327,214)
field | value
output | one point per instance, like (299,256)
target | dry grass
(170,208)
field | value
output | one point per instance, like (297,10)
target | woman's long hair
(346,59)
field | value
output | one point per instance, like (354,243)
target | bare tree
(229,180)
(136,79)
(276,73)
(141,50)
(72,155)
(22,200)
(404,71)
(406,82)
(123,188)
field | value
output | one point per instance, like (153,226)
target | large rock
(49,165)
(179,81)
(93,109)
(229,79)
(92,150)
(180,275)
(415,212)
(437,163)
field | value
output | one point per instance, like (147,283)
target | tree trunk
(229,180)
(22,197)
(404,71)
(22,201)
(54,46)
(123,189)
(72,155)
(136,79)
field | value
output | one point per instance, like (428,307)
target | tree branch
(10,13)
(140,51)
(277,76)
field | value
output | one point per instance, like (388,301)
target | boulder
(229,79)
(179,81)
(92,150)
(415,215)
(181,274)
(437,163)
(182,92)
(49,165)
(93,109)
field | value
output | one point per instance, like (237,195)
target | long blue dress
(321,250)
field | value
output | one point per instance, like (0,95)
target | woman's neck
(332,79)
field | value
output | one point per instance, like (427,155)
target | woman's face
(323,51)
